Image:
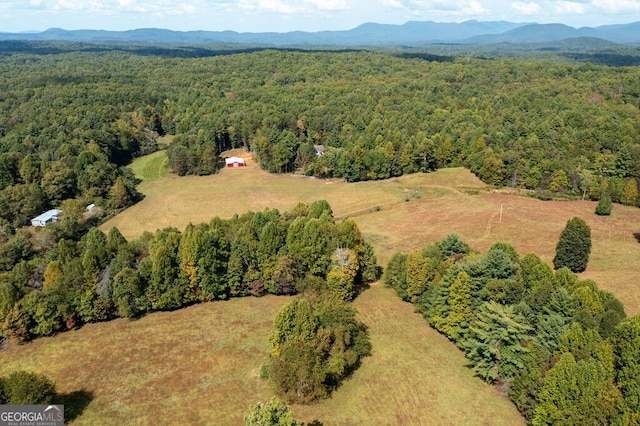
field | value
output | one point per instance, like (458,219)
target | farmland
(187,365)
(403,214)
(69,130)
(186,357)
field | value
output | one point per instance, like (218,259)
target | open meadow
(402,214)
(201,364)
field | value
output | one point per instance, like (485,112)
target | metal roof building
(46,218)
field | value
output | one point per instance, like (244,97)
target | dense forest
(558,346)
(70,121)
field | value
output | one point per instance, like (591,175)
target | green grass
(201,365)
(151,167)
(198,365)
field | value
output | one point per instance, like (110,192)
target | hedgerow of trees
(558,346)
(103,276)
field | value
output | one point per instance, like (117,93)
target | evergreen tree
(395,275)
(22,387)
(460,307)
(127,292)
(452,245)
(604,205)
(629,193)
(417,275)
(577,393)
(495,342)
(115,240)
(574,246)
(626,350)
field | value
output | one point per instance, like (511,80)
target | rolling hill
(411,33)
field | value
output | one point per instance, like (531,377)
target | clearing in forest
(403,214)
(201,365)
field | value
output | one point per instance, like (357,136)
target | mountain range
(412,33)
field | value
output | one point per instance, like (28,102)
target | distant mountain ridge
(412,33)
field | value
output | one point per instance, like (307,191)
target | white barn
(47,217)
(235,162)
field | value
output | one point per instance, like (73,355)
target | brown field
(450,200)
(414,377)
(200,365)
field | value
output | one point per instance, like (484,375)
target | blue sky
(305,15)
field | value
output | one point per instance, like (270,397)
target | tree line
(561,348)
(103,276)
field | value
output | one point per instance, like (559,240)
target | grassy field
(449,200)
(200,365)
(151,167)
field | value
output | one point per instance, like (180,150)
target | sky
(302,15)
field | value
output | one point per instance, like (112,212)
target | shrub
(22,387)
(271,413)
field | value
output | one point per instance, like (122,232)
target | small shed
(235,162)
(47,217)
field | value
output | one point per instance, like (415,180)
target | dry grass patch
(198,365)
(201,365)
(449,200)
(531,225)
(177,201)
(415,376)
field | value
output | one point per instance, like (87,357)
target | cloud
(569,8)
(289,7)
(527,8)
(392,3)
(158,7)
(329,4)
(472,7)
(277,6)
(618,6)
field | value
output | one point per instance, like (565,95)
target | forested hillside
(69,121)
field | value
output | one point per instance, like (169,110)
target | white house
(235,162)
(46,218)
